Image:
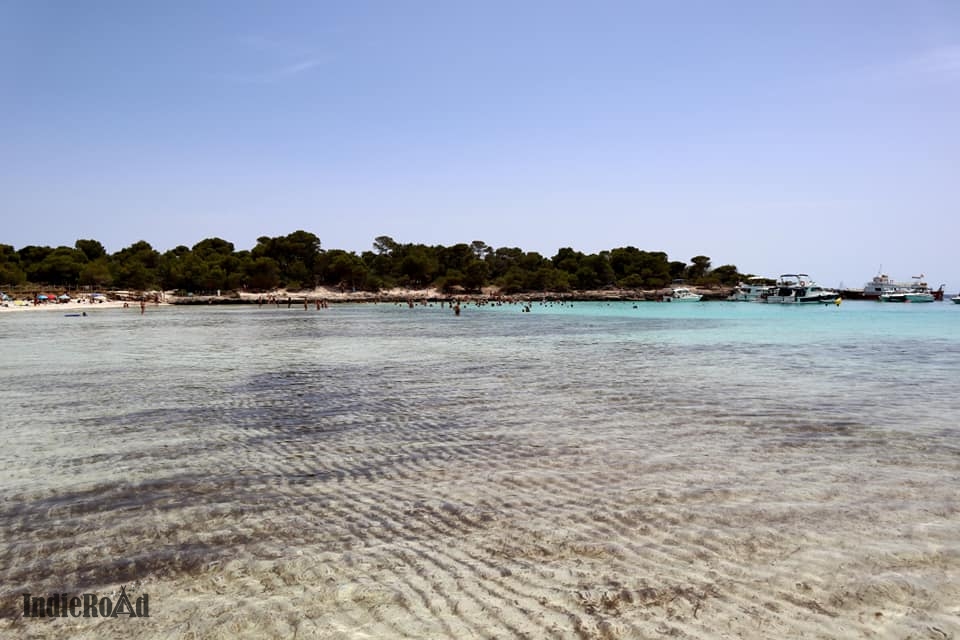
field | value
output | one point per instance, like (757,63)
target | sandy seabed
(686,533)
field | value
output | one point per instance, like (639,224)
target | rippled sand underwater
(371,472)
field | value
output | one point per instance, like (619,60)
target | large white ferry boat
(882,287)
(879,285)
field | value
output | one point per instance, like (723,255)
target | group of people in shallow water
(319,303)
(526,305)
(455,304)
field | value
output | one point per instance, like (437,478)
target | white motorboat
(752,290)
(907,295)
(799,288)
(918,291)
(682,294)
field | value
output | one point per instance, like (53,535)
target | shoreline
(404,295)
(332,295)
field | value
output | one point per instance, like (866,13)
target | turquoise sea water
(172,429)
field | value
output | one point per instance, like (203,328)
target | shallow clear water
(200,434)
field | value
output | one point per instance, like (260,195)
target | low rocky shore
(334,295)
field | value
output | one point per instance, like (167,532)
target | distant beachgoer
(143,306)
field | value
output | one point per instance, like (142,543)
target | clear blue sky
(819,136)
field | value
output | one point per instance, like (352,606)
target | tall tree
(384,244)
(10,271)
(699,268)
(61,267)
(296,254)
(136,267)
(92,249)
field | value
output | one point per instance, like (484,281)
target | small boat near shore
(799,288)
(682,294)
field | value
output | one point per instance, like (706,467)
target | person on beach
(143,306)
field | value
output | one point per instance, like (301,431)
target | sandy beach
(73,306)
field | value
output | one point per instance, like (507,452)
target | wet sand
(597,533)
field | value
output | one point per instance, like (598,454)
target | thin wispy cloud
(282,60)
(278,74)
(294,69)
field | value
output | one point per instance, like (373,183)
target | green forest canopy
(297,261)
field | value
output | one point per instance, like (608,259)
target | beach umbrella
(42,296)
(63,297)
(4,296)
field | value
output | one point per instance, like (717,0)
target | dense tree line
(297,261)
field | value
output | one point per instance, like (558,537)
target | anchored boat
(754,289)
(919,291)
(682,294)
(799,288)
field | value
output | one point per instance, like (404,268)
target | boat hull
(818,299)
(907,297)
